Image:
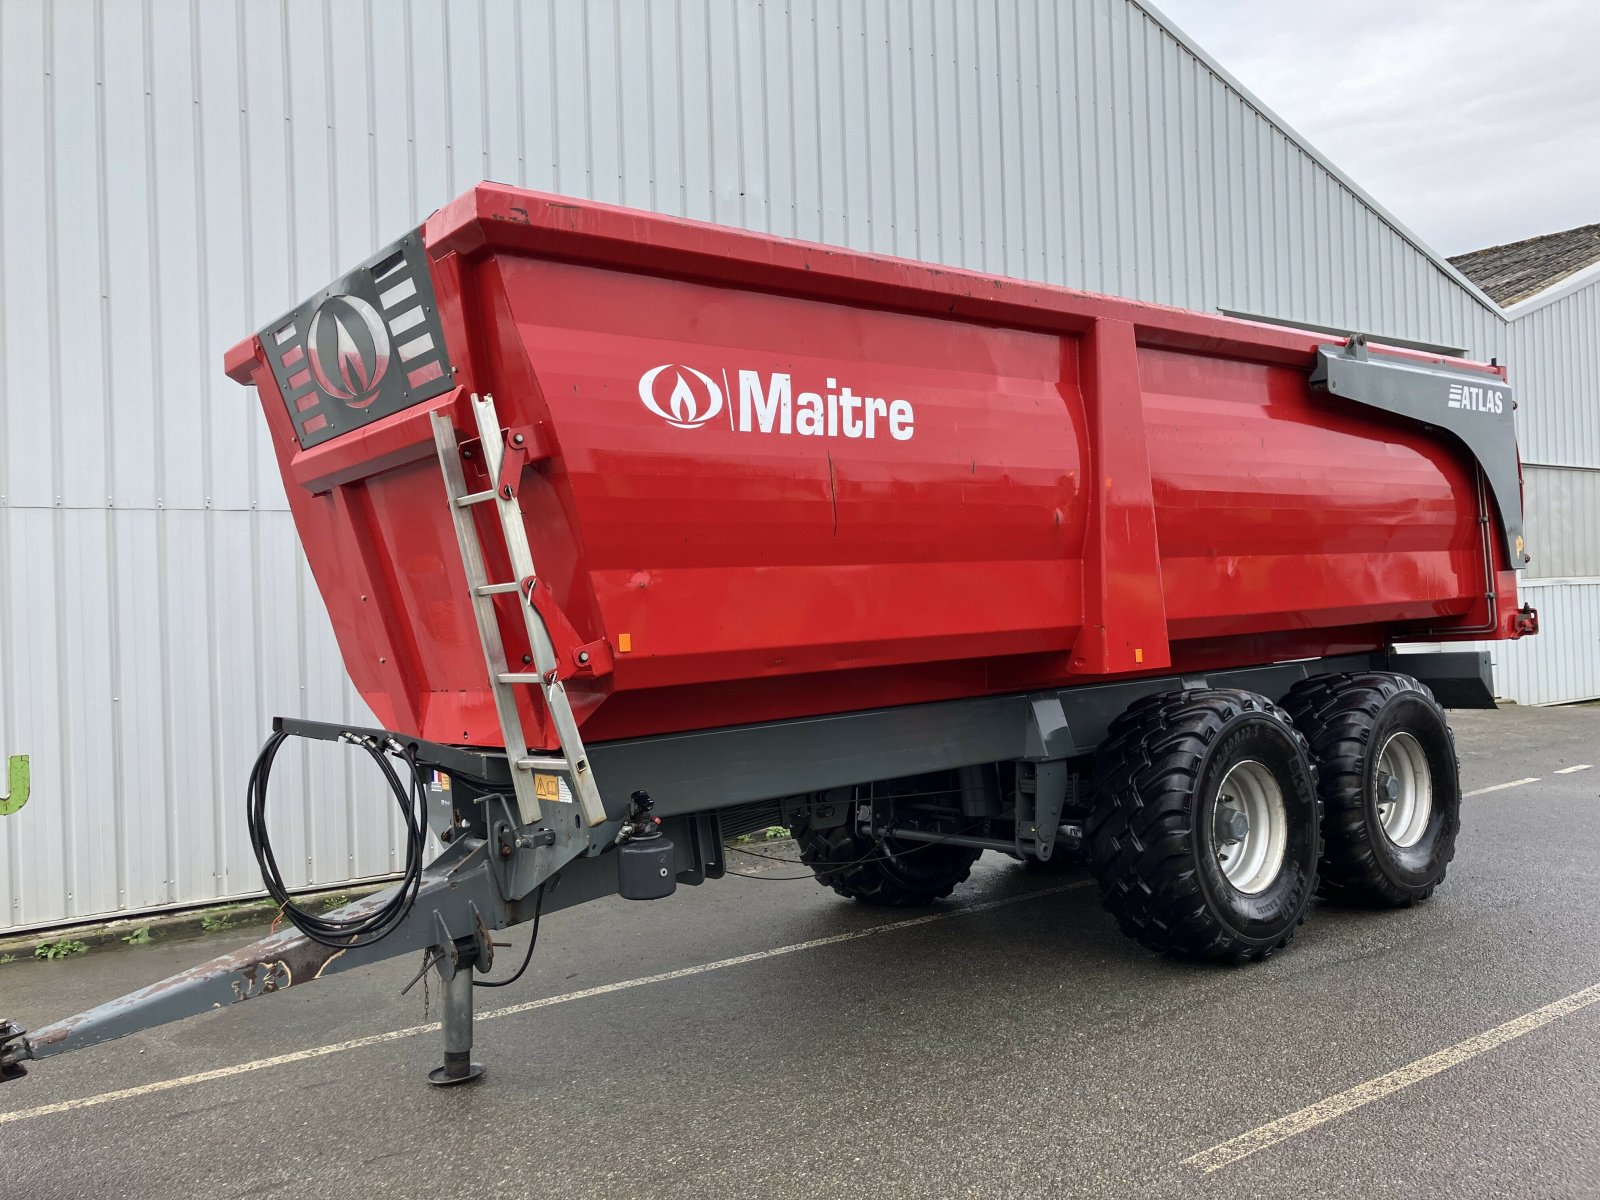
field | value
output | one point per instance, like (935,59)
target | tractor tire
(1390,785)
(890,874)
(1176,865)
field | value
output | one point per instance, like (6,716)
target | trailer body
(918,562)
(767,480)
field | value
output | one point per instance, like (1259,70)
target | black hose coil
(412,799)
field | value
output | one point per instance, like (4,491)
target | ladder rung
(472,498)
(497,589)
(542,764)
(520,677)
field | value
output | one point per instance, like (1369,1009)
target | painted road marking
(606,989)
(1336,1106)
(1570,770)
(1500,787)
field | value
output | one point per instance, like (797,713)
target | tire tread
(1336,713)
(1140,835)
(853,867)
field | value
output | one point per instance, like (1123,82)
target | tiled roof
(1522,269)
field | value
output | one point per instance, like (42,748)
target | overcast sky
(1475,122)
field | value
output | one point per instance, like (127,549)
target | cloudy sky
(1475,122)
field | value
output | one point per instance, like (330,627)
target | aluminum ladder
(531,774)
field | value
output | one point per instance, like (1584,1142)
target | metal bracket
(574,656)
(450,944)
(521,857)
(1527,620)
(1039,808)
(1049,734)
(449,960)
(524,444)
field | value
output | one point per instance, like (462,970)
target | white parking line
(393,1035)
(1500,787)
(1338,1105)
(1570,770)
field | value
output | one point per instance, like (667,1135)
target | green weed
(217,920)
(60,948)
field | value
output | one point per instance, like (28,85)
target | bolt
(505,851)
(517,439)
(583,656)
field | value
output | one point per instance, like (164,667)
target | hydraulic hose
(411,797)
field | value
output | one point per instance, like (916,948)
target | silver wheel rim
(1249,827)
(1404,790)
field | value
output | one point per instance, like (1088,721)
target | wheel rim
(1249,827)
(1404,790)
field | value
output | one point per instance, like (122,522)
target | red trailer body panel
(770,479)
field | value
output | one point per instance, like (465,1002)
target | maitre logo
(687,398)
(348,346)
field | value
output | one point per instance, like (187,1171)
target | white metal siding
(1562,664)
(174,174)
(1563,520)
(1554,350)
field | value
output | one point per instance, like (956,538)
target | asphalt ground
(1008,1042)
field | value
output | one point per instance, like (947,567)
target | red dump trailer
(647,532)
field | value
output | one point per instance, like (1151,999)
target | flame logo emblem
(694,398)
(348,346)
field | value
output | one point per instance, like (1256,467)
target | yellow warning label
(547,787)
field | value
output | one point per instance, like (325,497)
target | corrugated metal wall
(1562,664)
(174,174)
(1554,345)
(1563,520)
(1556,349)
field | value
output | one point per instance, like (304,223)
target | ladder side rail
(545,659)
(505,701)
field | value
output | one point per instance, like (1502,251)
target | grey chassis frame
(494,868)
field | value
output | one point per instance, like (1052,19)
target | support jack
(458,1066)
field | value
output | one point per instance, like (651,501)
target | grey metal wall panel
(1561,665)
(1563,522)
(1555,351)
(173,174)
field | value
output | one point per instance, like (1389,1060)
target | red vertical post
(1124,605)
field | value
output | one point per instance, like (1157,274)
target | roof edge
(1559,290)
(1227,77)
